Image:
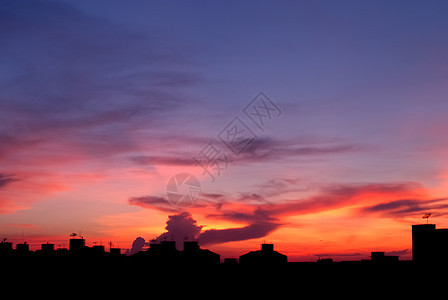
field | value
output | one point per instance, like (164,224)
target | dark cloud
(399,252)
(213,195)
(6,179)
(137,245)
(182,160)
(329,254)
(262,149)
(252,198)
(182,226)
(327,197)
(405,207)
(179,228)
(257,215)
(408,205)
(278,186)
(263,219)
(153,202)
(339,195)
(252,231)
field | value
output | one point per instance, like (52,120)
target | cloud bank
(182,226)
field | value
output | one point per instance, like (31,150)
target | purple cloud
(6,179)
(252,231)
(408,207)
(182,226)
(179,228)
(153,202)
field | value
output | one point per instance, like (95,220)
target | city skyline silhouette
(161,262)
(429,247)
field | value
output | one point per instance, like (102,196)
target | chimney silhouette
(267,248)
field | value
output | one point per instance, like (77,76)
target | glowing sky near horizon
(101,102)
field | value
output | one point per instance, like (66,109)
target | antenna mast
(426,216)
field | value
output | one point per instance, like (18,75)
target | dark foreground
(137,278)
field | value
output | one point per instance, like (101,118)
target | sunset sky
(103,101)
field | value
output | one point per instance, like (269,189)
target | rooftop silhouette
(166,252)
(429,247)
(266,255)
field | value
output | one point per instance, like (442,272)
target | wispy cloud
(342,195)
(326,198)
(252,231)
(82,81)
(409,207)
(153,202)
(262,150)
(6,179)
(152,160)
(265,149)
(79,90)
(253,210)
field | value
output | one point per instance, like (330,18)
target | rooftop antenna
(426,216)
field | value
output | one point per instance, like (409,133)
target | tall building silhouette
(77,246)
(47,248)
(429,244)
(23,248)
(5,248)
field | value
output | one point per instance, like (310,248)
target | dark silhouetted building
(77,246)
(62,252)
(23,248)
(191,247)
(115,251)
(380,257)
(423,236)
(47,248)
(266,255)
(325,261)
(5,248)
(230,261)
(163,249)
(166,253)
(160,253)
(429,244)
(97,250)
(193,254)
